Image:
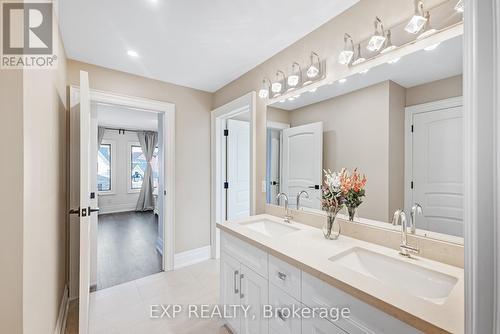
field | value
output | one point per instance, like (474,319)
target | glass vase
(331,228)
(351,211)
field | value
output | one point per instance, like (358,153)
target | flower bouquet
(332,201)
(353,190)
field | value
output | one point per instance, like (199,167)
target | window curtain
(100,136)
(148,141)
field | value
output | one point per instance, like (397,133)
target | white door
(437,169)
(273,159)
(254,293)
(238,169)
(229,288)
(80,199)
(302,167)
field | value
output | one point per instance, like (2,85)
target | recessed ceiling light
(132,53)
(342,80)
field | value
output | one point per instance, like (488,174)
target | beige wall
(327,41)
(434,91)
(358,128)
(192,123)
(33,241)
(11,208)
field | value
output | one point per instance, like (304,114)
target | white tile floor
(125,308)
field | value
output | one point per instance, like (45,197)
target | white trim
(496,106)
(409,113)
(277,125)
(63,313)
(116,208)
(244,103)
(169,151)
(481,155)
(192,256)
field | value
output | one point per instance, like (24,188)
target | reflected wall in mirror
(400,124)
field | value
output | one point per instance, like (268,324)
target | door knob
(75,212)
(93,210)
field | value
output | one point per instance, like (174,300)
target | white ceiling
(202,44)
(119,117)
(412,70)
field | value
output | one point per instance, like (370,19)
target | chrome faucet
(299,194)
(416,209)
(405,248)
(287,213)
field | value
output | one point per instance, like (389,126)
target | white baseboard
(115,208)
(63,313)
(192,256)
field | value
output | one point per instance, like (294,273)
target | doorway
(126,242)
(233,163)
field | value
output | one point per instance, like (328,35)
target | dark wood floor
(126,247)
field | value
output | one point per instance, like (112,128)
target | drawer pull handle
(281,276)
(280,315)
(236,291)
(241,289)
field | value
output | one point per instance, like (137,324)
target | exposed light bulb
(375,43)
(276,87)
(293,80)
(263,93)
(432,47)
(459,7)
(132,53)
(418,20)
(312,71)
(342,80)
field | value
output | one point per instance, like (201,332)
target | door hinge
(411,184)
(226,132)
(412,128)
(226,185)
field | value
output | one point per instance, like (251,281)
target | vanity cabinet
(249,276)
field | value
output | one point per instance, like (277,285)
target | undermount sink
(413,279)
(269,228)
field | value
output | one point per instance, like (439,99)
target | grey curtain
(148,141)
(100,135)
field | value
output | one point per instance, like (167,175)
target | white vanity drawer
(283,324)
(250,256)
(285,276)
(363,318)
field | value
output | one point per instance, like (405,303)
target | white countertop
(308,247)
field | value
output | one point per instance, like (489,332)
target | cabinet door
(254,293)
(319,326)
(230,289)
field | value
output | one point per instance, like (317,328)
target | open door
(81,200)
(303,163)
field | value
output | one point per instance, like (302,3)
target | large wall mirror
(400,124)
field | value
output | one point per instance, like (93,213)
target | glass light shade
(375,43)
(459,7)
(388,49)
(416,24)
(426,33)
(276,87)
(293,80)
(312,71)
(359,61)
(345,57)
(432,47)
(263,93)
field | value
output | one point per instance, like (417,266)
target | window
(138,167)
(104,168)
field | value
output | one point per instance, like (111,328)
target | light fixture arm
(314,54)
(348,37)
(278,72)
(295,64)
(378,22)
(419,7)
